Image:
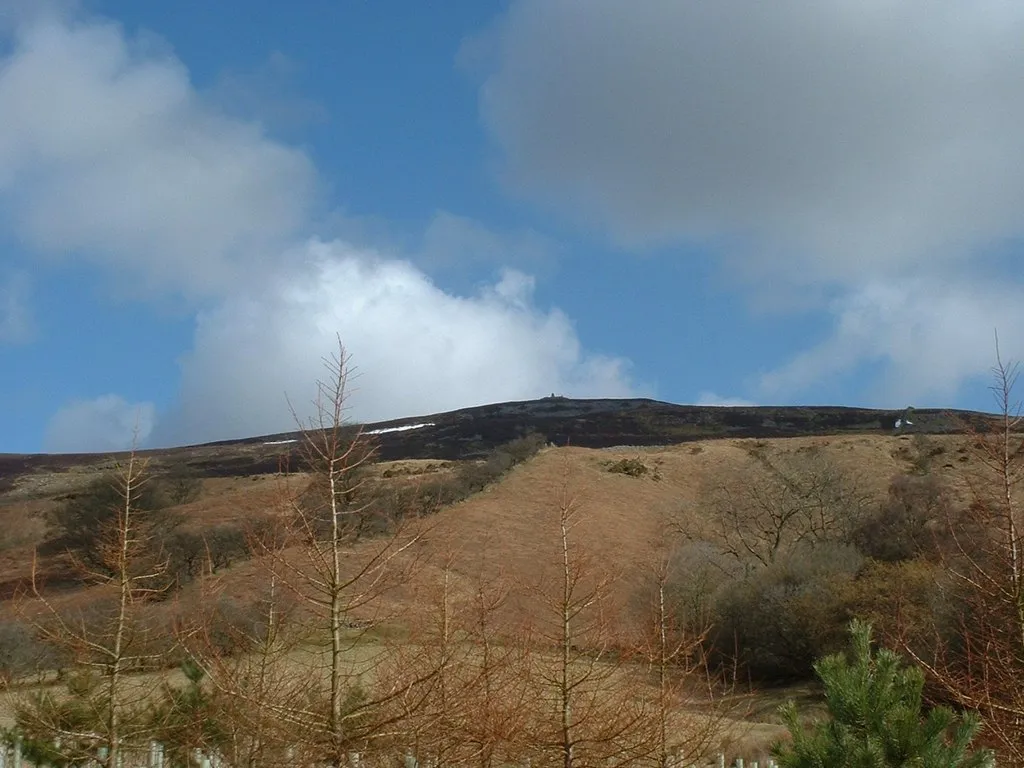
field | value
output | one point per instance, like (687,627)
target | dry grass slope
(510,528)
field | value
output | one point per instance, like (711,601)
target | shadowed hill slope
(473,432)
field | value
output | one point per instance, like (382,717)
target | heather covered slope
(472,432)
(686,448)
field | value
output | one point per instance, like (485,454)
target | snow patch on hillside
(404,428)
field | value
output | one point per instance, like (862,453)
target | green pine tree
(878,718)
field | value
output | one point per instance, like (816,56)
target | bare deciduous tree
(339,575)
(777,503)
(473,703)
(673,649)
(247,661)
(500,694)
(104,712)
(982,667)
(591,708)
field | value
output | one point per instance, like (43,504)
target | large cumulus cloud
(830,147)
(109,154)
(415,348)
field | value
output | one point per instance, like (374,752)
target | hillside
(690,446)
(639,473)
(472,432)
(624,520)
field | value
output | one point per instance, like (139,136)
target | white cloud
(104,424)
(823,146)
(107,152)
(929,336)
(417,349)
(16,323)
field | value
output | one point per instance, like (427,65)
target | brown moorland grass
(508,529)
(508,526)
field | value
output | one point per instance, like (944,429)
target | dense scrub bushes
(776,587)
(81,524)
(84,521)
(633,467)
(474,477)
(191,552)
(903,526)
(779,619)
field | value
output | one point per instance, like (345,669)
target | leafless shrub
(905,524)
(778,503)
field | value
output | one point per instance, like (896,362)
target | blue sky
(803,202)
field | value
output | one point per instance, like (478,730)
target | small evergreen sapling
(876,718)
